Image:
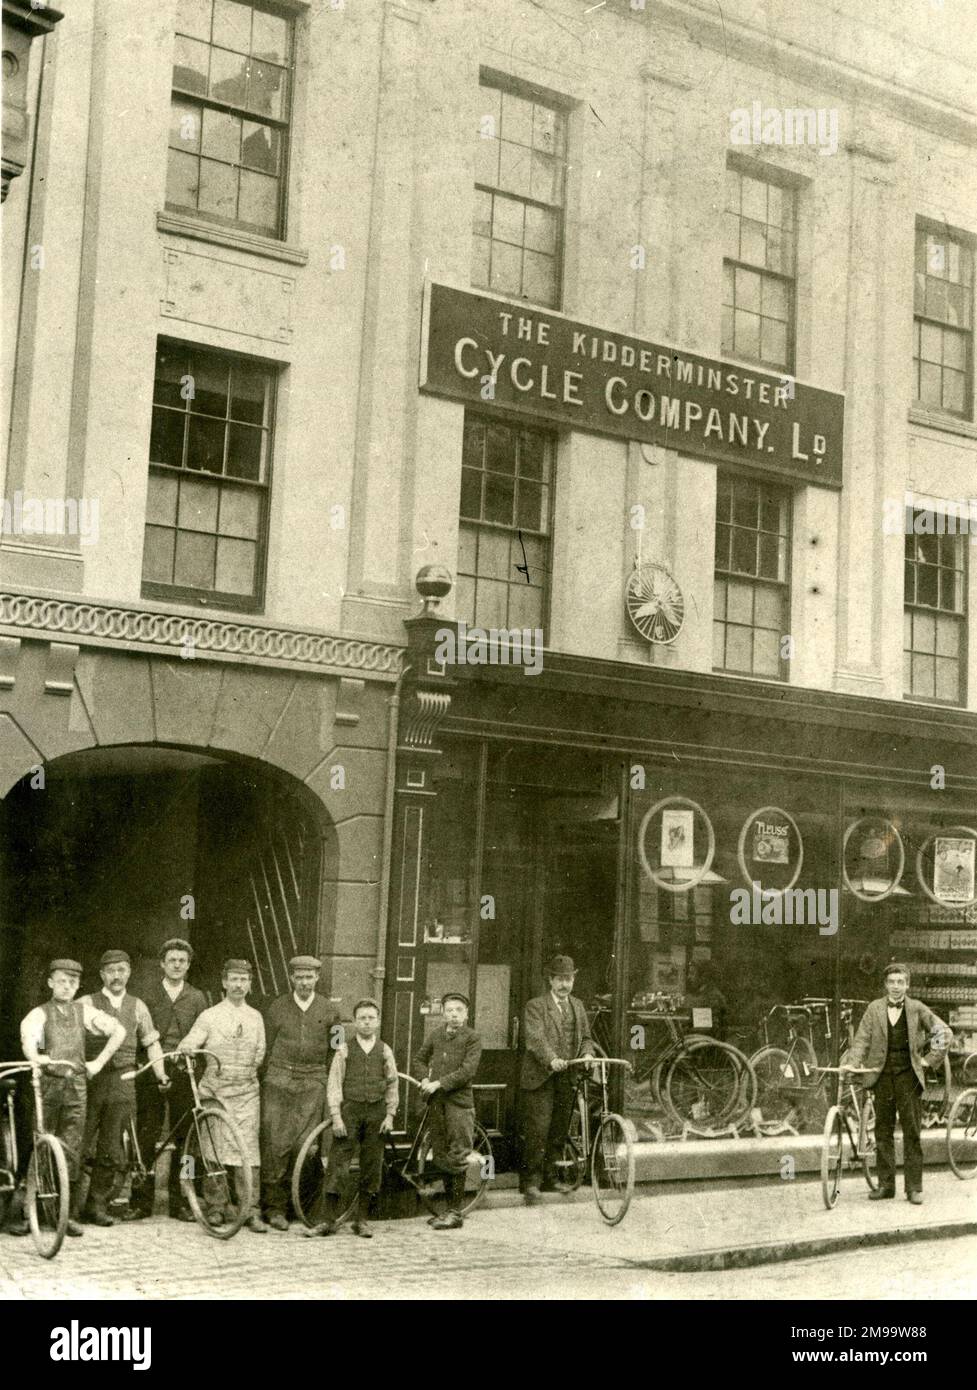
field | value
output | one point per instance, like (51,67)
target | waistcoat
(64,1036)
(125,1058)
(364,1079)
(897,1057)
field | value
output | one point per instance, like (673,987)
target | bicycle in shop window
(701,1083)
(849,1134)
(46,1198)
(599,1143)
(961,1125)
(215,1171)
(408,1162)
(787,1076)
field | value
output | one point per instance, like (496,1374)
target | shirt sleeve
(33,1026)
(146,1029)
(198,1034)
(334,1086)
(392,1094)
(96,1020)
(259,1053)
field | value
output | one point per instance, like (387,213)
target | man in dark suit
(445,1066)
(897,1038)
(555,1030)
(175,1005)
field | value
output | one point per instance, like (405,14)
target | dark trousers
(151,1117)
(452,1134)
(289,1113)
(899,1091)
(64,1099)
(546,1118)
(111,1102)
(362,1119)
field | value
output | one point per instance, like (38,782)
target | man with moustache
(299,1036)
(235,1034)
(175,1005)
(555,1030)
(897,1039)
(112,1099)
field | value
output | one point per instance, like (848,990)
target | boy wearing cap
(56,1031)
(362,1094)
(235,1033)
(112,1100)
(555,1031)
(445,1066)
(175,1005)
(299,1036)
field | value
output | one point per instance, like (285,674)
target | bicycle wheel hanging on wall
(672,867)
(875,838)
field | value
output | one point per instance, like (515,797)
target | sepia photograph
(488,663)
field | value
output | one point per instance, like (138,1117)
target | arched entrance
(127,845)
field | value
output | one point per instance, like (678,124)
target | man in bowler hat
(555,1030)
(445,1067)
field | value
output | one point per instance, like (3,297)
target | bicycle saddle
(602,998)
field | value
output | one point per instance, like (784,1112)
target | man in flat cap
(111,1099)
(56,1031)
(235,1033)
(555,1031)
(175,1006)
(299,1035)
(445,1066)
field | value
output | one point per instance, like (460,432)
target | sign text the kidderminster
(496,354)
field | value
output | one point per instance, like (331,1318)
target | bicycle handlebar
(167,1056)
(11,1068)
(844,1071)
(591,1060)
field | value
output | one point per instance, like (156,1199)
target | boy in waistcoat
(362,1095)
(56,1031)
(111,1100)
(445,1066)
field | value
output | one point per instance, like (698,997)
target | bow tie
(450,1032)
(897,1007)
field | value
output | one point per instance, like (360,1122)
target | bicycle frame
(139,1167)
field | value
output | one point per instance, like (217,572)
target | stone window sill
(179,224)
(949,424)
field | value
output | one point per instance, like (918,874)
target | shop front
(706,857)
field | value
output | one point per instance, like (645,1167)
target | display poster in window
(873,860)
(770,842)
(953,869)
(677,839)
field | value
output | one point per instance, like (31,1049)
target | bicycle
(215,1171)
(699,1081)
(414,1168)
(961,1127)
(781,1074)
(47,1190)
(599,1141)
(837,1125)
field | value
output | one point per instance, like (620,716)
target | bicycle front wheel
(215,1173)
(612,1168)
(709,1084)
(47,1195)
(309,1176)
(480,1170)
(571,1166)
(961,1135)
(832,1156)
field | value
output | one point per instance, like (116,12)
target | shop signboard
(500,355)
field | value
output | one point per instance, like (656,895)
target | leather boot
(361,1226)
(452,1218)
(254,1221)
(74,1227)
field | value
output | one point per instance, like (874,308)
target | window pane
(171,366)
(269,37)
(548,130)
(184,126)
(266,91)
(198,505)
(236,562)
(747,329)
(248,394)
(924,632)
(936,298)
(955,350)
(930,385)
(190,65)
(718,646)
(228,77)
(182,179)
(531,506)
(774,300)
(769,607)
(953,391)
(547,177)
(540,234)
(194,567)
(240,512)
(753,242)
(772,513)
(193,18)
(930,342)
(719,599)
(218,189)
(907,673)
(244,452)
(498,498)
(951,591)
(467,548)
(947,637)
(722,547)
(927,588)
(500,450)
(482,213)
(487,161)
(481,250)
(766,653)
(773,342)
(525,605)
(532,454)
(517,119)
(465,599)
(539,278)
(166,437)
(209,376)
(506,268)
(947,680)
(161,499)
(744,551)
(261,147)
(205,448)
(232,25)
(221,136)
(493,554)
(471,493)
(739,603)
(924,677)
(491,603)
(739,648)
(259,201)
(473,442)
(515,169)
(507,220)
(748,290)
(746,505)
(157,555)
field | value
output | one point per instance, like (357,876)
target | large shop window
(209,468)
(520,169)
(504,534)
(752,595)
(794,883)
(758,271)
(934,638)
(943,323)
(230,114)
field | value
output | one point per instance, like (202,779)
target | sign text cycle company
(493,352)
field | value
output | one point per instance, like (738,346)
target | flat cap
(244,966)
(114,958)
(561,965)
(70,967)
(304,963)
(176,943)
(455,994)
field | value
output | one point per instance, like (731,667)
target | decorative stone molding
(60,677)
(170,634)
(9,656)
(349,700)
(429,709)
